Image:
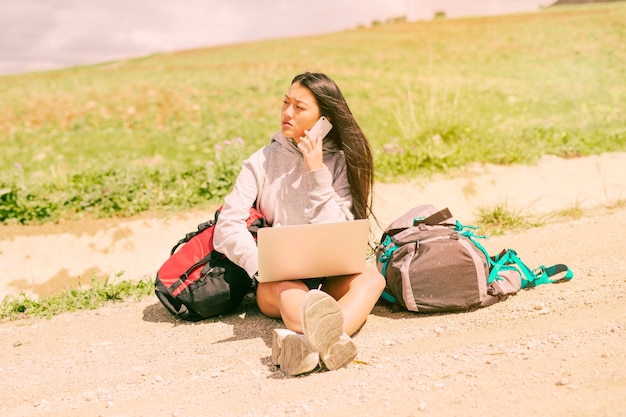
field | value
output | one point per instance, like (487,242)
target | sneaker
(278,336)
(322,323)
(292,353)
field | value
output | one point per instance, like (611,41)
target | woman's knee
(374,279)
(266,301)
(268,295)
(369,281)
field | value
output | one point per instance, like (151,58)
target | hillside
(168,132)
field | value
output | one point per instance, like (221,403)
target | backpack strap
(201,227)
(178,286)
(386,295)
(508,260)
(390,248)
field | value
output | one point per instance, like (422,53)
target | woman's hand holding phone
(311,144)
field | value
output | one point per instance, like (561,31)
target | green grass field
(168,131)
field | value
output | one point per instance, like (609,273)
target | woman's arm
(232,237)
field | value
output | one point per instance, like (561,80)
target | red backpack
(196,281)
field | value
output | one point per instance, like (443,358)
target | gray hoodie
(285,193)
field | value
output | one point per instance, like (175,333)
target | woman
(299,179)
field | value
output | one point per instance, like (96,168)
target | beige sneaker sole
(322,323)
(340,354)
(298,357)
(292,353)
(278,337)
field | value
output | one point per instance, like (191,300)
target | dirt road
(555,350)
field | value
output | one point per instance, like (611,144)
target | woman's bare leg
(357,295)
(283,300)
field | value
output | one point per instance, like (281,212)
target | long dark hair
(349,137)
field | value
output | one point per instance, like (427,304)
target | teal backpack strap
(508,260)
(390,247)
(543,275)
(468,232)
(386,295)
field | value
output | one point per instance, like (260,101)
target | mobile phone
(323,124)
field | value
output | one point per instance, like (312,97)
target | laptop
(312,250)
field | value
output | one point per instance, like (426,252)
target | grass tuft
(573,212)
(500,219)
(100,293)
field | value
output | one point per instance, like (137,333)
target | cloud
(34,34)
(46,34)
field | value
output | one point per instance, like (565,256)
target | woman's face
(300,112)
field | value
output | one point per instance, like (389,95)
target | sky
(40,35)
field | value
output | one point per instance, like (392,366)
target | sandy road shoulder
(562,343)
